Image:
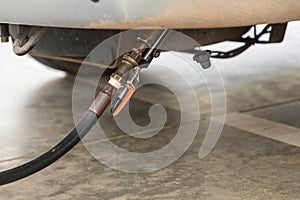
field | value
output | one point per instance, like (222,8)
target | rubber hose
(49,157)
(79,131)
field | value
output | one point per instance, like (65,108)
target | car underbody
(65,33)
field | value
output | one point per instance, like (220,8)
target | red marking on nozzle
(125,100)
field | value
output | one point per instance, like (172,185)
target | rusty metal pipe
(22,45)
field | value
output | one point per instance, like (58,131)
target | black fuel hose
(79,131)
(56,152)
(85,124)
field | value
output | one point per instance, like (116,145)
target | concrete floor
(245,164)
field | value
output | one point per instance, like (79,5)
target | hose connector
(102,100)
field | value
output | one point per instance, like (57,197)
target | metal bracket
(248,42)
(276,31)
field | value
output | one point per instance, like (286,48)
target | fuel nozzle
(123,95)
(126,77)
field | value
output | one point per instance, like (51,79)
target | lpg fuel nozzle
(123,95)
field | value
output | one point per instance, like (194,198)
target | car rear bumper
(128,14)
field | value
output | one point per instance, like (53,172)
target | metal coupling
(115,81)
(148,45)
(102,100)
(128,62)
